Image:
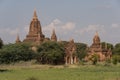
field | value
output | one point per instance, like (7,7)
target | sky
(71,19)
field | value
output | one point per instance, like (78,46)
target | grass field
(73,72)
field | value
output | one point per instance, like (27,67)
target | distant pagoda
(35,31)
(53,36)
(96,48)
(17,39)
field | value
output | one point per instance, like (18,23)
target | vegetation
(116,49)
(1,43)
(50,53)
(81,50)
(107,45)
(115,59)
(53,53)
(48,72)
(12,53)
(94,58)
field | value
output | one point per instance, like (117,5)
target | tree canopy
(50,53)
(116,49)
(81,50)
(1,43)
(15,52)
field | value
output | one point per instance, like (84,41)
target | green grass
(45,72)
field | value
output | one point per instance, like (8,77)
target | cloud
(69,26)
(9,34)
(9,31)
(115,25)
(91,28)
(59,26)
(26,28)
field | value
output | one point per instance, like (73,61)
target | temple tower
(17,39)
(96,39)
(35,30)
(96,48)
(70,53)
(53,37)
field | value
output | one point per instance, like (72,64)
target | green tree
(1,43)
(94,58)
(50,53)
(115,59)
(81,50)
(12,53)
(109,45)
(116,49)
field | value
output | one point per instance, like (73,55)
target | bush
(115,59)
(50,53)
(107,62)
(12,53)
(1,43)
(81,50)
(94,58)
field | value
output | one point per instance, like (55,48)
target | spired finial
(71,40)
(53,37)
(53,32)
(96,34)
(35,14)
(18,39)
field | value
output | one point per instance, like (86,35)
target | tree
(1,43)
(116,49)
(81,50)
(12,53)
(94,58)
(108,45)
(50,53)
(115,59)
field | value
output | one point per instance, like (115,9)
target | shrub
(81,50)
(1,43)
(94,58)
(107,62)
(115,59)
(12,53)
(50,53)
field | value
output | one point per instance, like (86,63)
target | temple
(70,53)
(35,31)
(96,47)
(36,36)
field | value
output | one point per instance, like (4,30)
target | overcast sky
(77,19)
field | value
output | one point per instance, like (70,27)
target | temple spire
(96,39)
(34,30)
(53,37)
(35,14)
(72,40)
(96,34)
(18,39)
